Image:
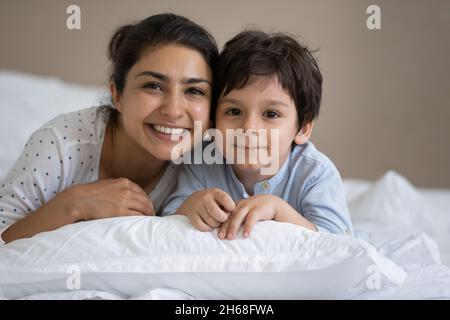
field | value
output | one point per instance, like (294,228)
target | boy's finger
(225,200)
(208,219)
(215,211)
(250,220)
(197,221)
(236,221)
(223,230)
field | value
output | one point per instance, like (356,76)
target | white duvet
(166,258)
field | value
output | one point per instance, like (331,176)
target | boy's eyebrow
(230,100)
(165,78)
(276,102)
(268,101)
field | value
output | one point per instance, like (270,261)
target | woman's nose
(173,106)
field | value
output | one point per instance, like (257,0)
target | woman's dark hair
(130,41)
(256,53)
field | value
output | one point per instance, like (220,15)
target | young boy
(270,82)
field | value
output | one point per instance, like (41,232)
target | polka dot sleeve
(35,178)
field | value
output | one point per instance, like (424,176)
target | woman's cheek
(200,112)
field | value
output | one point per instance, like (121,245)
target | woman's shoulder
(84,125)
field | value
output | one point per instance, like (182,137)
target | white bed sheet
(416,253)
(436,216)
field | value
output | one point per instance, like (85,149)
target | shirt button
(265,185)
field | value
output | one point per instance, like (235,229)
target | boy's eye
(271,114)
(195,91)
(152,85)
(233,112)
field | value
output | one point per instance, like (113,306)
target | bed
(401,250)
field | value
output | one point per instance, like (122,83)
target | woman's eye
(153,86)
(271,114)
(233,112)
(195,91)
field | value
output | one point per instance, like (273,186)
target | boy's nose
(249,124)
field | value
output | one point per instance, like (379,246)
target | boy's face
(259,105)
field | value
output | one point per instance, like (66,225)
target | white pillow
(128,255)
(28,101)
(389,208)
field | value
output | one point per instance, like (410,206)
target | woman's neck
(122,158)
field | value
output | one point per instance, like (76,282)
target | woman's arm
(37,195)
(96,200)
(50,216)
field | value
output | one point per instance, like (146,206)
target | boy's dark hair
(256,53)
(130,41)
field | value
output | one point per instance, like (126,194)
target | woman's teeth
(166,130)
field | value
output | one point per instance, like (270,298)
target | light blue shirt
(307,180)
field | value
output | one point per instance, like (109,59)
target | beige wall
(386,98)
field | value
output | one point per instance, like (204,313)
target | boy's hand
(248,212)
(257,208)
(207,209)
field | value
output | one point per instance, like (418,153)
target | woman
(102,162)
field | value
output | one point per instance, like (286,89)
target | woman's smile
(167,132)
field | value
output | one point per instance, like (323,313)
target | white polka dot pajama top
(63,152)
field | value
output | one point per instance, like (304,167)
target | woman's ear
(115,96)
(304,134)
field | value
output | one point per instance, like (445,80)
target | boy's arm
(205,208)
(189,181)
(323,202)
(285,213)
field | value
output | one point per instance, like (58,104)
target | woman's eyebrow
(196,80)
(154,74)
(165,78)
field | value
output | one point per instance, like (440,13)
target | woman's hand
(207,209)
(104,199)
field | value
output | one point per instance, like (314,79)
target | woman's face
(167,90)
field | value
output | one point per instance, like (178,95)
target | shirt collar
(265,186)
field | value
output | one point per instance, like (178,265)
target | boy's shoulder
(308,152)
(310,163)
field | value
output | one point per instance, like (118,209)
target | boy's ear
(304,134)
(115,95)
